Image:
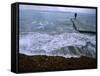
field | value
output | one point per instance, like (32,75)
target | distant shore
(49,63)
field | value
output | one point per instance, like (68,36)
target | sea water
(52,33)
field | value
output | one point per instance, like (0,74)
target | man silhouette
(75,15)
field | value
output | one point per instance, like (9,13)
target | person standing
(75,15)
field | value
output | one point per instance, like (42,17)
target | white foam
(40,41)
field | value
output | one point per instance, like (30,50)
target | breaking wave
(66,44)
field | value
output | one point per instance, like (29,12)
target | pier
(83,28)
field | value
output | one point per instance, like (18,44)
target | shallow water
(42,43)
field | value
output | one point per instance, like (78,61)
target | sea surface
(52,33)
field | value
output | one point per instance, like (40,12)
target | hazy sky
(50,8)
